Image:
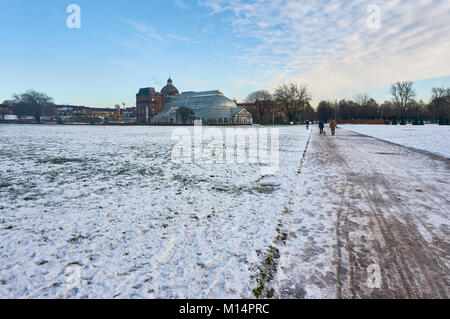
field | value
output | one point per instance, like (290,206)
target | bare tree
(33,103)
(19,107)
(309,113)
(418,110)
(438,100)
(263,101)
(293,98)
(387,110)
(362,100)
(403,95)
(185,114)
(325,111)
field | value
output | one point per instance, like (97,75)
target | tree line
(291,103)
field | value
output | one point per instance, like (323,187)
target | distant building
(171,107)
(70,110)
(129,112)
(103,112)
(4,108)
(4,111)
(64,110)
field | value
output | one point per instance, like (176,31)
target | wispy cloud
(327,43)
(178,38)
(180,4)
(144,31)
(148,32)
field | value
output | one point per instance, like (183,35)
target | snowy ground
(430,138)
(104,212)
(370,219)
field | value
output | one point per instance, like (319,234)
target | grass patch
(267,271)
(122,171)
(77,239)
(266,188)
(269,265)
(60,160)
(182,179)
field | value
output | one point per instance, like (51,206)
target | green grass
(268,267)
(266,272)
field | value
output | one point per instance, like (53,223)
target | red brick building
(149,102)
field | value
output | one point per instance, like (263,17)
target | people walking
(321,127)
(307,124)
(333,126)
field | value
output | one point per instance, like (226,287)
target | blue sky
(236,46)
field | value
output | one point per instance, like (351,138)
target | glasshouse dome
(212,107)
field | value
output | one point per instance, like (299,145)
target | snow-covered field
(105,212)
(430,138)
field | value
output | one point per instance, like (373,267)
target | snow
(101,212)
(430,138)
(361,202)
(105,212)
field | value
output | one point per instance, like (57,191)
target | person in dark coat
(321,127)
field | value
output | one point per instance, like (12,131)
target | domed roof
(170,89)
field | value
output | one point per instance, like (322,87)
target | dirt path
(370,220)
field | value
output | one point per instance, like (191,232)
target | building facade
(149,102)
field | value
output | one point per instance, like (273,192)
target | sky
(337,48)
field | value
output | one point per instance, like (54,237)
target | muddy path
(376,215)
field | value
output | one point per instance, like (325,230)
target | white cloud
(327,43)
(178,38)
(144,32)
(148,32)
(180,4)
